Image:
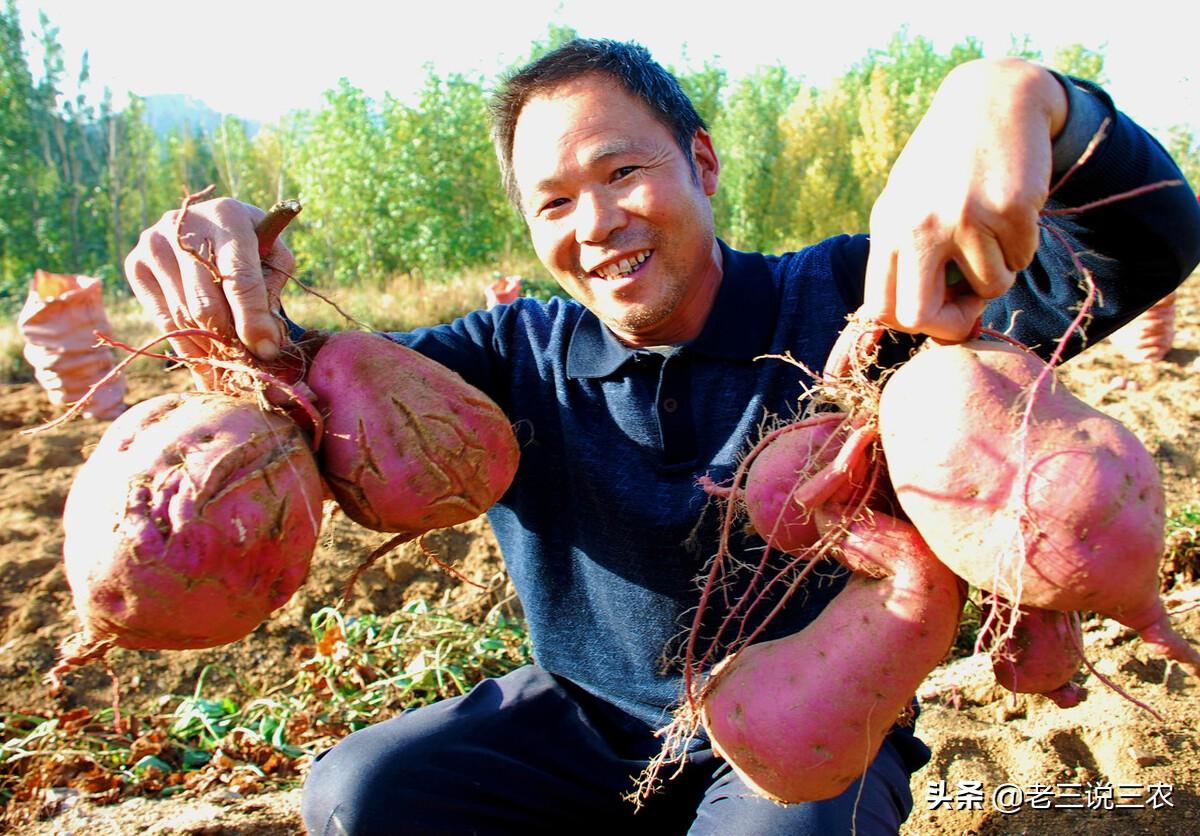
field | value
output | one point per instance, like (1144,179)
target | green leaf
(195,758)
(151,761)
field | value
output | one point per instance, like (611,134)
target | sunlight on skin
(616,213)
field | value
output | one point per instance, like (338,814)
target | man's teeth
(623,267)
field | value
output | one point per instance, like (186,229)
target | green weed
(1181,555)
(357,671)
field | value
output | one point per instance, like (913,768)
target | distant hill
(169,111)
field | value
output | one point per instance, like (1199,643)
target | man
(648,380)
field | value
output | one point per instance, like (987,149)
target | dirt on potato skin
(979,733)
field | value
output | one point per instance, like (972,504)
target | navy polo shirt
(604,529)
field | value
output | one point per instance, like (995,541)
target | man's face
(616,212)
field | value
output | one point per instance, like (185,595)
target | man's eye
(624,171)
(553,204)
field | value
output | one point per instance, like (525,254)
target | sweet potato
(1040,655)
(799,718)
(1024,490)
(794,474)
(193,519)
(409,446)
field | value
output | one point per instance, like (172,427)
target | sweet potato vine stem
(273,223)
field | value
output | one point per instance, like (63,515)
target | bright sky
(260,59)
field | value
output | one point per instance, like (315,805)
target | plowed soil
(1103,767)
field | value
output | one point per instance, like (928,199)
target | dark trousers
(533,753)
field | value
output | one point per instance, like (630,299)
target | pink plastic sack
(502,290)
(1149,337)
(59,321)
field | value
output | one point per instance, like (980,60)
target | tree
(842,142)
(454,193)
(826,195)
(342,179)
(188,160)
(752,205)
(234,157)
(704,87)
(275,149)
(18,161)
(133,189)
(1081,62)
(394,187)
(1185,148)
(149,191)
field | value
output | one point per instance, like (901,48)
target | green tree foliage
(275,149)
(704,87)
(1081,62)
(451,199)
(395,187)
(1023,48)
(893,88)
(752,202)
(78,181)
(188,161)
(398,188)
(135,173)
(827,197)
(233,154)
(841,142)
(1185,148)
(342,182)
(19,161)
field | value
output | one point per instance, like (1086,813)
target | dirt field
(980,734)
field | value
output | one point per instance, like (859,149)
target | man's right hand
(179,292)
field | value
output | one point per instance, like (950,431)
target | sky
(260,59)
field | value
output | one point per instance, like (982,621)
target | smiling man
(647,379)
(617,211)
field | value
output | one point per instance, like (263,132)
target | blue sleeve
(470,345)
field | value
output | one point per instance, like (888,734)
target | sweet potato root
(1040,654)
(1024,490)
(800,469)
(193,519)
(801,717)
(409,446)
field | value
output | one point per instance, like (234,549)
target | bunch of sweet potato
(197,514)
(988,472)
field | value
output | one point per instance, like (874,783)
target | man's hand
(179,292)
(967,188)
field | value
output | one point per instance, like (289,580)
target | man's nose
(596,217)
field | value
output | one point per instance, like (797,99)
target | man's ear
(708,165)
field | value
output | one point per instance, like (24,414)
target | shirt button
(670,405)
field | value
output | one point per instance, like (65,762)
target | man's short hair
(629,63)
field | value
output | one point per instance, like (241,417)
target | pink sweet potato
(193,519)
(794,474)
(409,446)
(1041,655)
(1026,491)
(800,717)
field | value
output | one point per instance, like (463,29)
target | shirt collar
(740,325)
